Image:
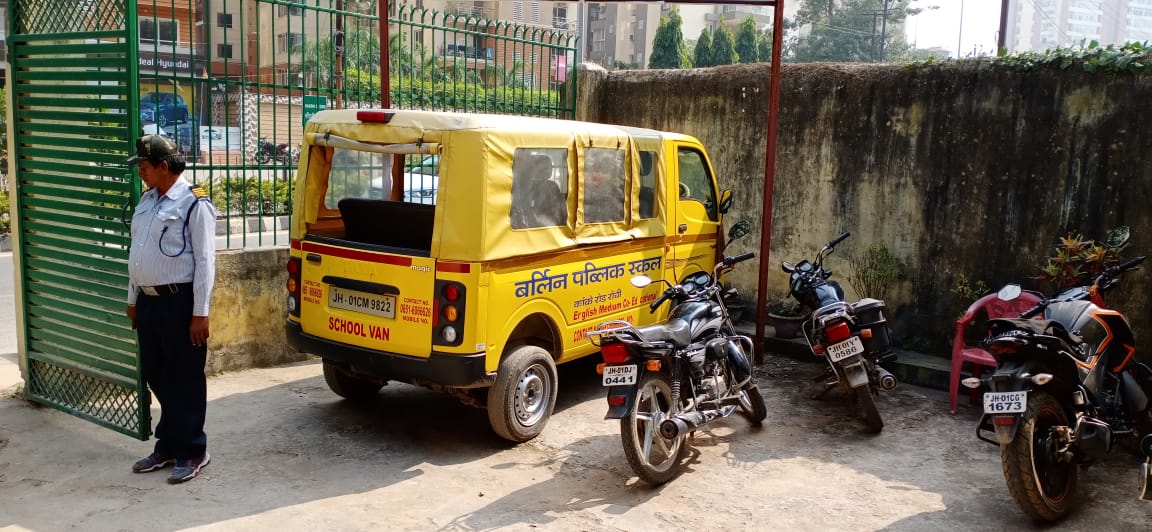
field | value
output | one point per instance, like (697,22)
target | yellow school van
(472,253)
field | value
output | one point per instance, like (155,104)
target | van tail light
(837,331)
(614,353)
(448,310)
(292,285)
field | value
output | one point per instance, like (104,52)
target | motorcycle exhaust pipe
(887,380)
(681,423)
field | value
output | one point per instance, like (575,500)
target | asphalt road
(290,455)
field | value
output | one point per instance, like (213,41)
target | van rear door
(371,298)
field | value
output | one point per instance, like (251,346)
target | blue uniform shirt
(166,249)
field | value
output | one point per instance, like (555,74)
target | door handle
(312,257)
(683,228)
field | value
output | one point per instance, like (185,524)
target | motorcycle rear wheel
(652,457)
(1042,487)
(866,404)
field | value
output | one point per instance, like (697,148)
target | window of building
(539,188)
(224,20)
(158,30)
(224,51)
(284,11)
(285,42)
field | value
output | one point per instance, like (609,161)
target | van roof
(446,121)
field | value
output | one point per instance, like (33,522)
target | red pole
(769,176)
(385,76)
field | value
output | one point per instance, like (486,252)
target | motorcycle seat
(1050,333)
(677,331)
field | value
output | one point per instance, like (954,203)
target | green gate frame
(71,124)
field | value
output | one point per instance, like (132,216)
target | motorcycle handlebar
(739,258)
(839,239)
(659,301)
(1131,265)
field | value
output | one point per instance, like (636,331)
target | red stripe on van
(295,244)
(355,254)
(453,267)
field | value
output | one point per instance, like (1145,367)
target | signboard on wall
(313,105)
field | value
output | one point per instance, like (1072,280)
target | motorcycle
(666,380)
(854,338)
(1065,387)
(282,153)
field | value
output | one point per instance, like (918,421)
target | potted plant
(786,317)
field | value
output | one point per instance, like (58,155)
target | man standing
(171,269)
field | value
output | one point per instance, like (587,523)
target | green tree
(702,55)
(668,49)
(852,30)
(723,52)
(746,42)
(764,46)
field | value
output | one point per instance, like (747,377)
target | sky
(944,27)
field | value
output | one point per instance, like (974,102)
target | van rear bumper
(458,371)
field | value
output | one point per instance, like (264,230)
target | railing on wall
(234,81)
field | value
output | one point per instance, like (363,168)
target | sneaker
(151,463)
(188,469)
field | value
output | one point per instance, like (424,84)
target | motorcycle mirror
(1009,292)
(739,230)
(1118,237)
(640,281)
(787,267)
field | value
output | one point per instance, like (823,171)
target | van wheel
(521,400)
(347,385)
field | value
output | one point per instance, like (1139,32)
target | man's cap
(153,148)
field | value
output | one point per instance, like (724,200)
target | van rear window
(358,174)
(539,188)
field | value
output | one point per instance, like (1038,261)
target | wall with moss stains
(248,311)
(959,168)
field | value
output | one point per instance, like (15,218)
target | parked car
(163,108)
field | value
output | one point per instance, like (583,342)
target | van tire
(349,386)
(521,401)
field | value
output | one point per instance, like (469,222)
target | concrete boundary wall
(959,168)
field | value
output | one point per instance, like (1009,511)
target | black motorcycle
(1066,387)
(281,153)
(854,338)
(668,379)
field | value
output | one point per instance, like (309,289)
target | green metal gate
(229,81)
(71,123)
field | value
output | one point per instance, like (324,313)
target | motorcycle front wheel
(652,457)
(752,403)
(1042,486)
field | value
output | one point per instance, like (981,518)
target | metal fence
(234,81)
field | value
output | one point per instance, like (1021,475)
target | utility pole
(884,30)
(960,32)
(1002,37)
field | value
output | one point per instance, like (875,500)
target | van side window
(647,184)
(603,185)
(539,188)
(357,174)
(695,183)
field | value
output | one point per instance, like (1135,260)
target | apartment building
(1035,25)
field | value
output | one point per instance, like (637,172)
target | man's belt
(165,289)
